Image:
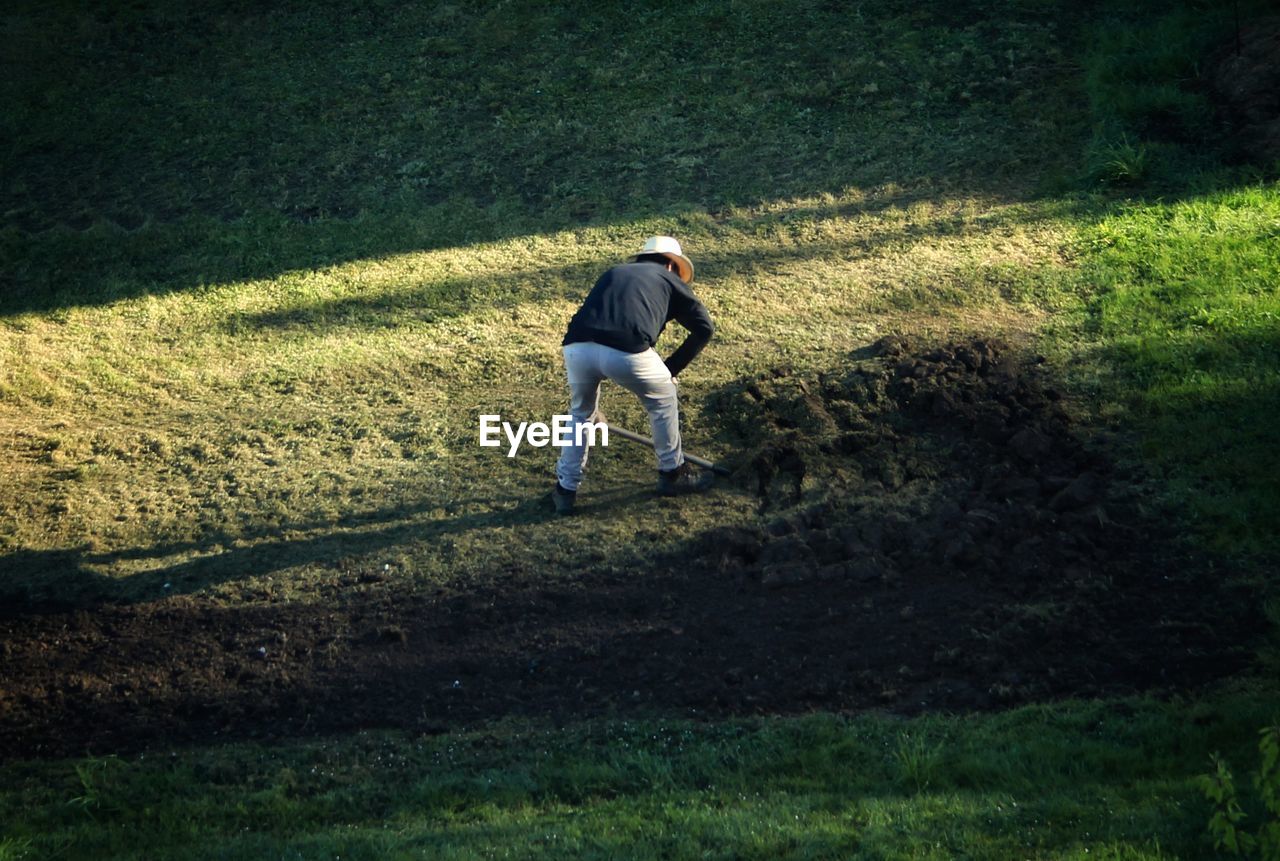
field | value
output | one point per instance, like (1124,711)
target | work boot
(682,480)
(563,499)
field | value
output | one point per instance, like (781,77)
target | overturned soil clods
(953,478)
(956,457)
(933,533)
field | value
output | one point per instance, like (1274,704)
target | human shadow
(56,580)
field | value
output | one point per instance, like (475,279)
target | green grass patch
(1074,780)
(1188,310)
(1176,319)
(1145,76)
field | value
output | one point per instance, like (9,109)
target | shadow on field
(158,150)
(67,579)
(935,534)
(1208,402)
(44,581)
(427,303)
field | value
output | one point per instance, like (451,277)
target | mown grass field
(265,268)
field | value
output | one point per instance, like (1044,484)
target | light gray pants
(643,374)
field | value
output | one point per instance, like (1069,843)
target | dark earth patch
(933,534)
(1245,78)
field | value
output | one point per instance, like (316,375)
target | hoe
(644,440)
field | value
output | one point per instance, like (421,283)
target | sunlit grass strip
(787,261)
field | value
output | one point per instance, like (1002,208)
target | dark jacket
(630,305)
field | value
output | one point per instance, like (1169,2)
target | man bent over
(612,337)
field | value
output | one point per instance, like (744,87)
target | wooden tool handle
(693,459)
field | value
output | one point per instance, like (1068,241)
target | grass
(265,268)
(435,127)
(1187,312)
(255,412)
(1145,80)
(1076,780)
(320,289)
(1172,314)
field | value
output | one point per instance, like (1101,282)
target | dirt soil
(1245,78)
(934,534)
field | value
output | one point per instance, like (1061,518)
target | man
(612,337)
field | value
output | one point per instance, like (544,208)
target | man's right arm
(698,321)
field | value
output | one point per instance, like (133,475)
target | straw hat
(668,247)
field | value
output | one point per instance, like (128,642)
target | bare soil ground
(1244,75)
(933,534)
